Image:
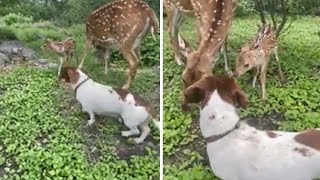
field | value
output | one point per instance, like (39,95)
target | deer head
(46,44)
(215,19)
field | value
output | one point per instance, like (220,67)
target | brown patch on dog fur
(303,151)
(139,101)
(227,88)
(309,138)
(69,74)
(272,134)
(122,93)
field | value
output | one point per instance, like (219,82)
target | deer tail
(154,24)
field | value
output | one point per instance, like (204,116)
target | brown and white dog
(96,98)
(238,151)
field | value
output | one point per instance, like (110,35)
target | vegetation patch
(42,128)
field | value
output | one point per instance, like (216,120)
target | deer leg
(225,56)
(106,59)
(88,45)
(137,51)
(263,77)
(255,75)
(103,57)
(60,65)
(133,65)
(175,21)
(278,63)
(70,56)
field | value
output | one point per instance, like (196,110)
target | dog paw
(125,133)
(138,140)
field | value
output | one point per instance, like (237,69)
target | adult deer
(176,11)
(122,25)
(256,54)
(215,19)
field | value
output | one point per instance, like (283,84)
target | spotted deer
(215,18)
(122,25)
(177,11)
(256,55)
(66,49)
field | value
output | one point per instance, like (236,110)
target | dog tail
(156,123)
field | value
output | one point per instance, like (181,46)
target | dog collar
(76,88)
(214,138)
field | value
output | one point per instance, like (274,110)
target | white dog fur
(244,152)
(99,99)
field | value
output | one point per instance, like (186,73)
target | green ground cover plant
(292,106)
(42,128)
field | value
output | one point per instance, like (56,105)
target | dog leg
(131,72)
(256,72)
(92,119)
(131,132)
(145,132)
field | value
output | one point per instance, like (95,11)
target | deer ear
(182,43)
(241,99)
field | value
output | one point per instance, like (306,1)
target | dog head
(226,87)
(69,74)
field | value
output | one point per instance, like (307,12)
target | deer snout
(235,74)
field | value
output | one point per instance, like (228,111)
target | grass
(293,106)
(42,127)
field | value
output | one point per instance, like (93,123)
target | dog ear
(197,92)
(194,94)
(241,99)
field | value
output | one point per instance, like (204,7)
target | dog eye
(212,117)
(246,65)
